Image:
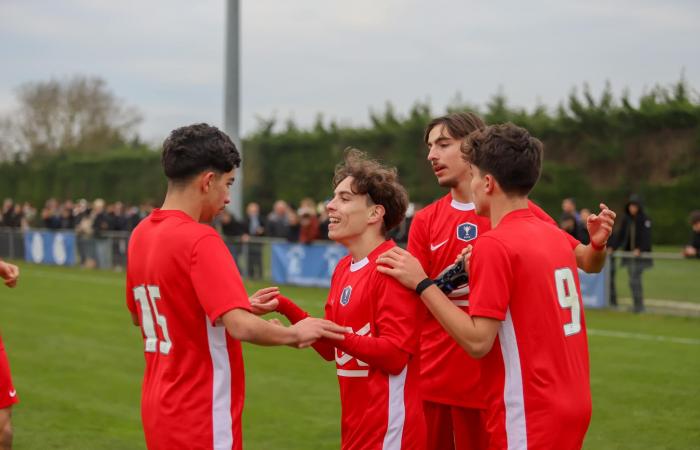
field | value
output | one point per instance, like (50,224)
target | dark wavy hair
(459,125)
(193,149)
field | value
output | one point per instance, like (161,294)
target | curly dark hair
(507,152)
(379,182)
(195,148)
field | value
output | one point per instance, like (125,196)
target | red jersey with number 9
(180,279)
(524,274)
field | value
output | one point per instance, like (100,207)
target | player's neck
(362,245)
(180,200)
(462,192)
(502,205)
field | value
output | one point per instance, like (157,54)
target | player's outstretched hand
(402,265)
(600,226)
(9,273)
(264,300)
(311,329)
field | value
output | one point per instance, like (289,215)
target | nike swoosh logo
(13,393)
(437,246)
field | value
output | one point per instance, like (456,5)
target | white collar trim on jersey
(462,206)
(355,266)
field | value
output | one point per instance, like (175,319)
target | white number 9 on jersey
(568,299)
(149,310)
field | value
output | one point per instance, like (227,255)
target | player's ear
(376,214)
(205,180)
(489,183)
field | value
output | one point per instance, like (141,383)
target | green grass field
(667,280)
(77,364)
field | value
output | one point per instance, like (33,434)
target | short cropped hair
(379,182)
(509,154)
(193,149)
(459,125)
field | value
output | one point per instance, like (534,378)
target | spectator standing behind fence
(277,221)
(634,236)
(254,226)
(692,250)
(309,226)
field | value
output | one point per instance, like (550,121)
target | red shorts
(454,428)
(8,395)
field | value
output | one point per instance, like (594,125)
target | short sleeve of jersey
(490,277)
(398,314)
(216,279)
(130,302)
(542,215)
(417,239)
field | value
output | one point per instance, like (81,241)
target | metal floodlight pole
(232,98)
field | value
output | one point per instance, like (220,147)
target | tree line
(597,147)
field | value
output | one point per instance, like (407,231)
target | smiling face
(445,156)
(349,213)
(217,194)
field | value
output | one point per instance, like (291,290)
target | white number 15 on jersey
(149,310)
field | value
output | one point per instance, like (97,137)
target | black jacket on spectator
(634,232)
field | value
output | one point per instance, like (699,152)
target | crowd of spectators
(88,219)
(305,224)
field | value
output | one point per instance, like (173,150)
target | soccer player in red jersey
(8,395)
(453,399)
(526,314)
(184,290)
(377,363)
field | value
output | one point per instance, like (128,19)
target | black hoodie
(635,231)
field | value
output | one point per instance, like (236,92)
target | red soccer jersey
(8,394)
(183,278)
(524,273)
(379,410)
(439,232)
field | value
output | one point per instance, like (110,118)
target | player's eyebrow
(344,193)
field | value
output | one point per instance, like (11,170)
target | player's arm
(591,258)
(246,326)
(9,273)
(293,313)
(474,334)
(378,352)
(397,317)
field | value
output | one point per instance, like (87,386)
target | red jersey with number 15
(180,279)
(524,274)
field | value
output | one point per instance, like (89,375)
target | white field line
(642,336)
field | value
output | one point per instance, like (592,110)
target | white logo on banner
(37,248)
(332,255)
(295,256)
(59,249)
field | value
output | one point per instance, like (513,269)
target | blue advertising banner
(47,247)
(313,265)
(305,265)
(594,288)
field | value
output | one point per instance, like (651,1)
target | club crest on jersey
(345,295)
(466,231)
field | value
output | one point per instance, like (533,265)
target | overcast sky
(304,57)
